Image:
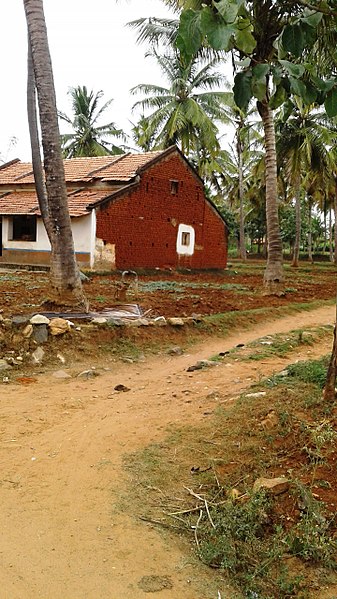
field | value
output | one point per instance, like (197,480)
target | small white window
(185,240)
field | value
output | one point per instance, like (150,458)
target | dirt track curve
(63,533)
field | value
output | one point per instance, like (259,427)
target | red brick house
(133,211)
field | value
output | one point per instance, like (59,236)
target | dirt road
(64,534)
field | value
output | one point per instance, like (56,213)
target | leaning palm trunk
(273,276)
(65,277)
(35,144)
(296,253)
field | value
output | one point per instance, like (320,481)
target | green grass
(268,547)
(181,287)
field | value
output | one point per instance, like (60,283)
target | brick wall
(143,224)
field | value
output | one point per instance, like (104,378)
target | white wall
(83,233)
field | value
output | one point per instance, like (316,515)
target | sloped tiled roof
(25,202)
(122,167)
(127,168)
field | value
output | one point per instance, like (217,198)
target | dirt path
(64,535)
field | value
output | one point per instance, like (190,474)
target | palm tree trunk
(273,276)
(65,277)
(330,236)
(310,255)
(35,144)
(243,254)
(325,229)
(296,253)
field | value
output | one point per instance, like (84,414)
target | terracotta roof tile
(126,169)
(122,167)
(23,202)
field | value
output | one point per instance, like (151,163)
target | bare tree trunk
(296,253)
(65,277)
(273,276)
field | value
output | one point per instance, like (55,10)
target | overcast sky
(89,45)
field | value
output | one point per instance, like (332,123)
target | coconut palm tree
(65,277)
(88,138)
(184,112)
(302,147)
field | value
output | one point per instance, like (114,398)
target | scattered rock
(116,322)
(11,361)
(197,366)
(27,331)
(7,322)
(4,365)
(88,374)
(240,345)
(19,320)
(257,394)
(196,317)
(176,322)
(274,486)
(99,320)
(201,364)
(61,358)
(175,351)
(59,326)
(40,333)
(208,363)
(223,353)
(160,321)
(39,319)
(61,374)
(154,584)
(37,355)
(138,322)
(121,388)
(283,373)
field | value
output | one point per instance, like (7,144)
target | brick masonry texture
(143,224)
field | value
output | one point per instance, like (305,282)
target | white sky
(89,45)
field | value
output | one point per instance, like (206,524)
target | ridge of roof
(117,158)
(9,163)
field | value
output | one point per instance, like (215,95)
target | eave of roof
(22,202)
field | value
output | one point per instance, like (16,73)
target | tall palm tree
(65,277)
(185,111)
(302,147)
(88,138)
